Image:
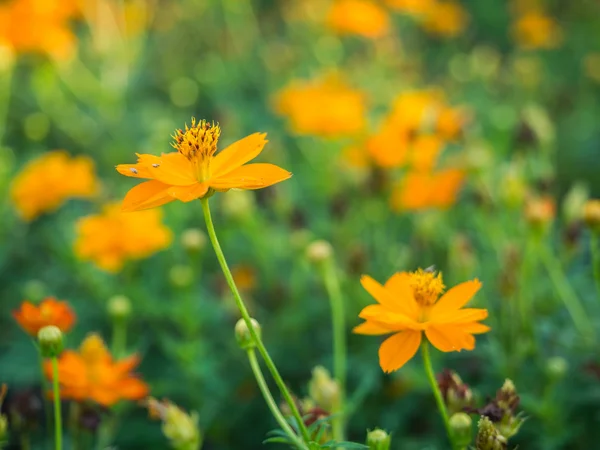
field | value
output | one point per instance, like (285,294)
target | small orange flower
(361,17)
(446,19)
(112,237)
(193,170)
(408,306)
(49,312)
(535,30)
(92,374)
(428,190)
(326,107)
(47,182)
(412,7)
(424,153)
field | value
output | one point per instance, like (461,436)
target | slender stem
(246,316)
(595,248)
(338,319)
(119,338)
(262,384)
(566,293)
(436,390)
(57,413)
(47,407)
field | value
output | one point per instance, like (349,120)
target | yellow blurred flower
(535,30)
(326,107)
(362,17)
(412,7)
(112,237)
(38,26)
(45,183)
(445,19)
(427,190)
(424,152)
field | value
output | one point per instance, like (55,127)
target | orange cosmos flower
(535,30)
(412,7)
(445,19)
(428,190)
(92,374)
(408,305)
(112,237)
(47,182)
(193,171)
(326,107)
(361,17)
(49,312)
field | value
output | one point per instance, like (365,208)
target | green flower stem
(595,248)
(119,338)
(566,293)
(332,285)
(262,384)
(436,390)
(57,414)
(47,407)
(246,316)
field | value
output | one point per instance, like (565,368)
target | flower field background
(447,150)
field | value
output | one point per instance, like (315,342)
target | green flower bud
(179,427)
(488,438)
(50,339)
(119,307)
(324,390)
(378,439)
(461,424)
(319,251)
(181,275)
(193,239)
(556,367)
(243,336)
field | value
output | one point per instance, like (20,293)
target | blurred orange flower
(326,107)
(445,19)
(110,238)
(92,374)
(427,190)
(362,17)
(45,183)
(49,312)
(535,30)
(409,304)
(194,171)
(38,26)
(424,153)
(412,7)
(540,211)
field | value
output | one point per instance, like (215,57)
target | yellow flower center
(427,286)
(198,144)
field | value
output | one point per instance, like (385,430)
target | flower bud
(574,202)
(456,394)
(119,307)
(319,251)
(238,204)
(193,239)
(488,438)
(460,426)
(50,339)
(180,428)
(591,215)
(556,367)
(324,390)
(378,439)
(540,212)
(243,336)
(181,276)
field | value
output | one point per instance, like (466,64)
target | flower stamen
(427,286)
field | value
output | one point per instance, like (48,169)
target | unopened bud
(181,275)
(457,394)
(574,202)
(488,438)
(319,251)
(324,390)
(556,367)
(50,339)
(540,212)
(119,307)
(378,439)
(460,426)
(591,215)
(238,204)
(179,427)
(243,336)
(193,239)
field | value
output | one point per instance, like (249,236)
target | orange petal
(170,168)
(250,176)
(475,328)
(134,170)
(448,338)
(146,195)
(133,389)
(456,297)
(238,153)
(188,193)
(460,316)
(396,350)
(371,328)
(399,286)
